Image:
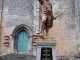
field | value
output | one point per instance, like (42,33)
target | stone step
(18,57)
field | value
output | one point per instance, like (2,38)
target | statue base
(42,37)
(46,50)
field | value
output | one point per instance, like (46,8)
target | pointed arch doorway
(22,39)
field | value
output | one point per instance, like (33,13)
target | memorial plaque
(46,53)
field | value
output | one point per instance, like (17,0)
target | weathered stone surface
(36,16)
(62,58)
(15,13)
(77,14)
(76,57)
(0,22)
(66,28)
(18,57)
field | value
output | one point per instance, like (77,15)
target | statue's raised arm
(40,1)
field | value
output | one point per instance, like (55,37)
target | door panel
(22,43)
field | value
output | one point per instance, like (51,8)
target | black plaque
(46,53)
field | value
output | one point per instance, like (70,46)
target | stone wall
(0,22)
(15,12)
(64,27)
(0,9)
(77,18)
(35,16)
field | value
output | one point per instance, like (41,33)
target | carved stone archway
(15,34)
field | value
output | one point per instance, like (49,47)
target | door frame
(15,34)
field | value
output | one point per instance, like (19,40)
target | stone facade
(65,28)
(0,23)
(77,18)
(15,13)
(18,57)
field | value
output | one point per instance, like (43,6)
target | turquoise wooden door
(22,43)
